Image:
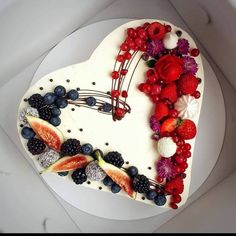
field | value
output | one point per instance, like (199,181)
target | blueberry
(56,111)
(60,91)
(115,188)
(160,200)
(73,94)
(151,195)
(90,101)
(87,149)
(49,98)
(61,103)
(55,120)
(27,133)
(132,171)
(106,107)
(107,181)
(64,173)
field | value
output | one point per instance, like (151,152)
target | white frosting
(187,106)
(170,40)
(166,147)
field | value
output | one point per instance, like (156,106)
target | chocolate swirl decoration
(102,99)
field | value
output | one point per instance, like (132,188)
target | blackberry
(141,184)
(36,101)
(114,158)
(79,176)
(45,113)
(71,147)
(36,146)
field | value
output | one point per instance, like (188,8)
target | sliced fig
(47,132)
(69,163)
(117,175)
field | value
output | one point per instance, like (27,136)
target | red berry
(184,165)
(161,110)
(155,98)
(124,47)
(115,93)
(139,42)
(156,30)
(168,125)
(131,44)
(168,28)
(187,154)
(141,87)
(180,142)
(147,88)
(173,205)
(159,179)
(146,24)
(176,198)
(179,93)
(187,130)
(120,112)
(135,48)
(127,56)
(175,139)
(178,150)
(124,94)
(178,169)
(169,92)
(143,47)
(194,52)
(123,72)
(150,72)
(115,74)
(142,34)
(152,79)
(173,113)
(120,58)
(155,89)
(132,33)
(179,159)
(187,146)
(196,94)
(187,84)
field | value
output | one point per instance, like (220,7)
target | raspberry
(175,186)
(161,110)
(169,92)
(187,84)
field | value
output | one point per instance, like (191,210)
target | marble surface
(24,195)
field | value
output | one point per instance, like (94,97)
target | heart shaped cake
(124,121)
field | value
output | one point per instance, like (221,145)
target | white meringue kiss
(170,40)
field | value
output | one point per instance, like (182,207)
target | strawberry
(169,92)
(169,125)
(187,129)
(187,84)
(161,110)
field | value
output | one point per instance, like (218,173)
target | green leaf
(151,63)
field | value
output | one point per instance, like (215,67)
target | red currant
(115,74)
(179,159)
(175,139)
(127,56)
(159,179)
(173,113)
(123,72)
(149,73)
(152,79)
(120,112)
(155,98)
(135,47)
(194,52)
(184,165)
(146,88)
(178,150)
(124,94)
(131,44)
(197,94)
(173,205)
(139,42)
(143,47)
(180,142)
(178,169)
(155,89)
(187,146)
(115,93)
(168,28)
(176,198)
(141,87)
(142,34)
(132,33)
(145,25)
(124,47)
(120,58)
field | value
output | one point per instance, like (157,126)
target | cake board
(85,41)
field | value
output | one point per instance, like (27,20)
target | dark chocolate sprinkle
(68,81)
(80,130)
(51,80)
(88,182)
(100,188)
(41,88)
(93,83)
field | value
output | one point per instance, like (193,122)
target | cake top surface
(127,103)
